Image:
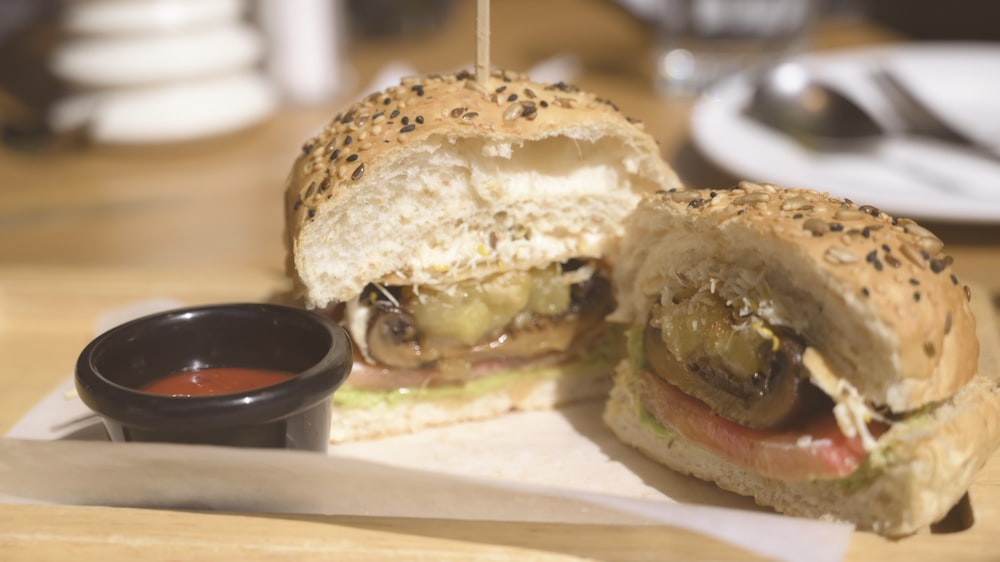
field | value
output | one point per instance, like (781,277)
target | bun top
(440,179)
(874,294)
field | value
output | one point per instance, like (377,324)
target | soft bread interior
(454,208)
(446,178)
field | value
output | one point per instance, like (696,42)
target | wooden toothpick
(483,42)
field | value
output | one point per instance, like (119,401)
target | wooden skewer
(483,42)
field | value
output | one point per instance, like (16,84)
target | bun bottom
(924,467)
(530,389)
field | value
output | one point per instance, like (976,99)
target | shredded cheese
(356,316)
(850,411)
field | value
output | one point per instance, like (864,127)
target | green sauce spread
(605,354)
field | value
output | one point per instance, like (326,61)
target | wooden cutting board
(47,314)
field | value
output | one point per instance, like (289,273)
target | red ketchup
(211,381)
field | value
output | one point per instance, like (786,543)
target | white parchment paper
(562,466)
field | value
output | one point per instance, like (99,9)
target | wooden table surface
(86,229)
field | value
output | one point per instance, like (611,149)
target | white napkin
(562,466)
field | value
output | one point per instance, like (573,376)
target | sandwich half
(814,354)
(463,235)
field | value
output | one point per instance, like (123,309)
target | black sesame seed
(864,291)
(394,114)
(914,281)
(312,213)
(886,248)
(741,211)
(406,120)
(386,101)
(866,232)
(420,119)
(501,89)
(352,158)
(407,128)
(872,256)
(324,185)
(307,148)
(298,203)
(836,227)
(916,296)
(543,103)
(334,155)
(348,140)
(954,279)
(713,194)
(563,87)
(358,172)
(926,255)
(797,216)
(878,265)
(937,266)
(891,260)
(418,88)
(611,104)
(347,119)
(512,97)
(457,112)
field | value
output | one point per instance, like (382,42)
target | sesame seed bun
(439,180)
(889,335)
(873,294)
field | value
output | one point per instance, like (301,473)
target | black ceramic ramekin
(293,414)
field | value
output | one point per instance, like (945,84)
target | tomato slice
(816,450)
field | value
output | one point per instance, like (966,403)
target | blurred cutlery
(816,115)
(920,119)
(819,116)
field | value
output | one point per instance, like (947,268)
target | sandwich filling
(424,337)
(722,376)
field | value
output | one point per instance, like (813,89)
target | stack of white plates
(160,70)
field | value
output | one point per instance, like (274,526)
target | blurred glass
(700,41)
(384,18)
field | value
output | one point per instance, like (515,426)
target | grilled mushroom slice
(393,338)
(777,395)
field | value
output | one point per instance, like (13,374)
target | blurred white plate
(138,59)
(98,17)
(174,111)
(907,176)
